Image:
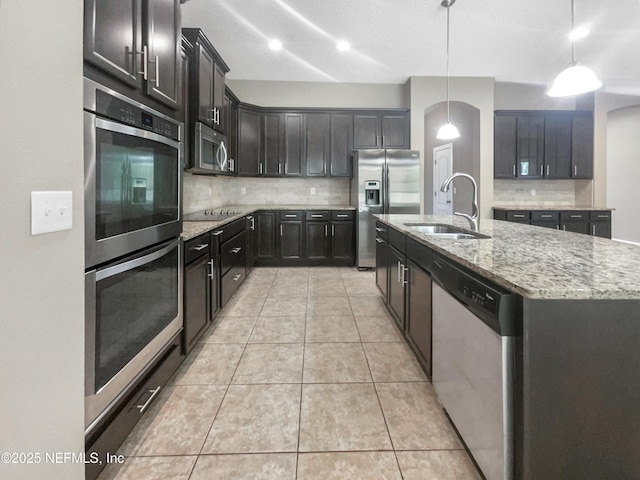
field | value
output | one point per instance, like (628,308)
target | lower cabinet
(291,238)
(264,248)
(588,222)
(396,290)
(418,318)
(251,239)
(382,266)
(233,259)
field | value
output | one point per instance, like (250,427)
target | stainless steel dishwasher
(473,363)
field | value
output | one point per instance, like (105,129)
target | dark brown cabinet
(330,237)
(137,42)
(265,238)
(341,144)
(249,142)
(381,130)
(271,163)
(317,245)
(183,104)
(543,144)
(231,118)
(591,222)
(294,135)
(291,238)
(572,221)
(207,75)
(382,266)
(418,321)
(316,144)
(232,258)
(343,237)
(197,284)
(251,241)
(396,289)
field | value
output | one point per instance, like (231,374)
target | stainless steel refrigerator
(384,181)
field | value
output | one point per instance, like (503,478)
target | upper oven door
(132,189)
(210,151)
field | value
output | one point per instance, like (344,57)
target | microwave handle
(222,161)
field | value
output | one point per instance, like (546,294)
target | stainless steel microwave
(209,153)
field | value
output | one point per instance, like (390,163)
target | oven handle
(135,132)
(136,262)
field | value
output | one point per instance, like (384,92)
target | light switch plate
(243,191)
(51,212)
(313,190)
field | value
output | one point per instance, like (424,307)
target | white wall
(41,277)
(623,172)
(425,92)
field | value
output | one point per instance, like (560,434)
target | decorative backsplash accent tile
(569,193)
(202,192)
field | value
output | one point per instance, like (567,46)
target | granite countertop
(537,262)
(549,207)
(193,229)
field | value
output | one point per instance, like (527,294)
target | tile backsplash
(201,192)
(568,193)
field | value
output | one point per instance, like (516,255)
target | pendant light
(448,131)
(576,78)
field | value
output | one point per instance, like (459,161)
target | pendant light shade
(448,131)
(575,79)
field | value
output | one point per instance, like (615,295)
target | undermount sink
(444,231)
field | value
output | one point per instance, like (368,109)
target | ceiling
(522,41)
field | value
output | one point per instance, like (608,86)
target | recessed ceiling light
(275,44)
(343,45)
(578,33)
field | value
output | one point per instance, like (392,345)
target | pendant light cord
(573,27)
(448,6)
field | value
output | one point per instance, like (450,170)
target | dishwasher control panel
(481,295)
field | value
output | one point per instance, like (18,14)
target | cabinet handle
(316,215)
(541,170)
(154,393)
(378,229)
(398,280)
(253,223)
(286,167)
(237,277)
(547,170)
(564,227)
(575,170)
(279,168)
(518,215)
(235,250)
(593,230)
(200,247)
(405,271)
(546,216)
(232,165)
(514,170)
(260,165)
(281,230)
(290,215)
(343,215)
(576,216)
(333,230)
(145,56)
(210,263)
(157,80)
(217,232)
(602,216)
(326,230)
(379,240)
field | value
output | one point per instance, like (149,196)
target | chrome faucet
(473,218)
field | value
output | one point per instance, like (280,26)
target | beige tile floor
(302,376)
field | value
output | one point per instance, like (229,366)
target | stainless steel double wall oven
(133,260)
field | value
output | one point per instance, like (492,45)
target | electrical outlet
(533,192)
(51,212)
(243,191)
(313,190)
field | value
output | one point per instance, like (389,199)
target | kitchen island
(574,383)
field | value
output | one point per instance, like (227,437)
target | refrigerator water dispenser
(372,192)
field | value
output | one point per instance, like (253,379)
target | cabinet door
(394,130)
(530,146)
(418,325)
(291,240)
(272,145)
(196,300)
(316,144)
(343,241)
(218,96)
(366,130)
(396,287)
(504,146)
(341,133)
(582,147)
(112,37)
(249,145)
(183,113)
(251,240)
(317,243)
(204,68)
(382,265)
(557,147)
(265,241)
(577,227)
(231,109)
(600,229)
(293,144)
(163,40)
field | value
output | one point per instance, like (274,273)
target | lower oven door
(133,309)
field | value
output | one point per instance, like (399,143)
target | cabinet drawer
(574,216)
(232,250)
(518,216)
(342,215)
(230,229)
(545,216)
(382,230)
(600,216)
(317,215)
(397,239)
(196,247)
(291,215)
(232,280)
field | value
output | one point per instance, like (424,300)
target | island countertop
(537,262)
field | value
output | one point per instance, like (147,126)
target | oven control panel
(129,114)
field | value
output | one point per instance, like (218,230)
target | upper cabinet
(381,129)
(543,144)
(136,42)
(207,77)
(341,144)
(231,103)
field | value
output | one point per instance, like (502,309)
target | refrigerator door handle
(387,204)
